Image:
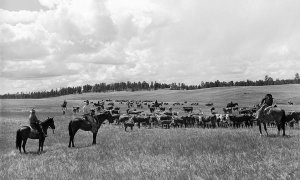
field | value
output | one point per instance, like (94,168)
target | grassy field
(188,153)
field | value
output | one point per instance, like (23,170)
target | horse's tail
(70,128)
(18,139)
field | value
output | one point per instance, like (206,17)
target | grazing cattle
(123,118)
(176,122)
(292,118)
(162,108)
(195,104)
(227,110)
(208,121)
(165,121)
(188,109)
(231,105)
(241,120)
(141,119)
(109,108)
(177,103)
(152,109)
(209,104)
(139,105)
(188,121)
(110,104)
(129,111)
(76,109)
(290,103)
(235,108)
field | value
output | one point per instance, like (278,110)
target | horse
(271,114)
(81,123)
(26,132)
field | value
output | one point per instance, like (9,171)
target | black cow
(241,120)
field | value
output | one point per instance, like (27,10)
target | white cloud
(75,41)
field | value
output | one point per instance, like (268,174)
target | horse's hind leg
(265,127)
(23,145)
(278,128)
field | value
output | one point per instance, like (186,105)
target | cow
(76,109)
(208,121)
(242,120)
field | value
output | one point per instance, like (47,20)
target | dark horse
(81,123)
(26,132)
(271,114)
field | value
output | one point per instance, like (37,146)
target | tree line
(145,86)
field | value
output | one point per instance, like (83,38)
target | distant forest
(144,86)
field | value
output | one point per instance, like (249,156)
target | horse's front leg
(259,126)
(283,129)
(39,145)
(42,145)
(94,137)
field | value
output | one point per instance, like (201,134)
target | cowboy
(87,115)
(35,123)
(268,100)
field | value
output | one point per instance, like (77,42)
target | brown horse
(271,114)
(26,132)
(81,123)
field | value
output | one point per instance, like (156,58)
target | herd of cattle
(155,114)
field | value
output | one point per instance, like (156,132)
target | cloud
(73,41)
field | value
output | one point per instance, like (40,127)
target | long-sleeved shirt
(86,109)
(33,119)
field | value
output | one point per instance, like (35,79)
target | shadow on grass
(277,136)
(35,153)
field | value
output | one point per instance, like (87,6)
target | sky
(48,44)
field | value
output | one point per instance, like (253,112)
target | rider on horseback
(88,115)
(267,100)
(35,123)
(266,103)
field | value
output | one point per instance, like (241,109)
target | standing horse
(271,114)
(81,123)
(26,132)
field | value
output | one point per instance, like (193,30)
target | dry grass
(160,154)
(190,153)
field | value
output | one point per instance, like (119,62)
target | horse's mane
(48,119)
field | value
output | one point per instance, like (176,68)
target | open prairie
(156,153)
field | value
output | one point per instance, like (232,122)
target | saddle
(33,130)
(92,121)
(265,111)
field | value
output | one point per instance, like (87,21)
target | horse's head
(51,123)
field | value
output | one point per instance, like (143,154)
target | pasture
(156,153)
